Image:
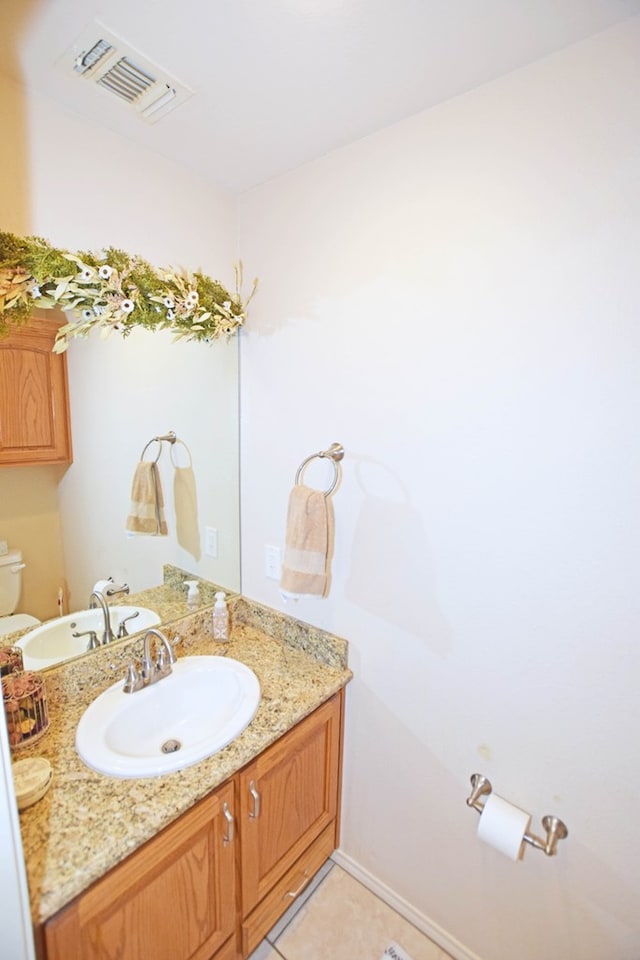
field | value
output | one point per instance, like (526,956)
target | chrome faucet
(150,670)
(97,600)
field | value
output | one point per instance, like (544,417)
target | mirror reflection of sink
(54,642)
(204,704)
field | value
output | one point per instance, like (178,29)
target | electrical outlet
(211,541)
(272,562)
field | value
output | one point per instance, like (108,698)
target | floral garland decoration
(112,291)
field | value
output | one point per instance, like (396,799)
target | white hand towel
(147,503)
(305,568)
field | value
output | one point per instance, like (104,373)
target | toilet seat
(17,621)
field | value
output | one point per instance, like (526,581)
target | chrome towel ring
(335,453)
(169,437)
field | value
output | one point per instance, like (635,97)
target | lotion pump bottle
(193,596)
(220,618)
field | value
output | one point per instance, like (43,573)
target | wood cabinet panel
(34,406)
(286,890)
(174,899)
(297,783)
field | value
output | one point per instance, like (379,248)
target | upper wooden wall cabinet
(35,425)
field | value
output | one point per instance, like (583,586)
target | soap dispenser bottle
(220,618)
(193,595)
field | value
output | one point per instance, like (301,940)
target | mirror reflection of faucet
(122,628)
(93,642)
(97,600)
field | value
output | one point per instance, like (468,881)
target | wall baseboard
(430,929)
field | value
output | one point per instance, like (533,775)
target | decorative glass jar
(10,660)
(25,706)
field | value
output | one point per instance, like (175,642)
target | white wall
(85,188)
(456,301)
(17,939)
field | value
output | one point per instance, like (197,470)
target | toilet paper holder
(554,828)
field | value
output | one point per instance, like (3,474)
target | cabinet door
(174,899)
(34,407)
(288,797)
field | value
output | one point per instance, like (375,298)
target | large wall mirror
(123,393)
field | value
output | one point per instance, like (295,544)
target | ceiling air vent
(103,58)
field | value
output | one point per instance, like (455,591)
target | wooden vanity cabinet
(212,884)
(35,426)
(289,823)
(173,899)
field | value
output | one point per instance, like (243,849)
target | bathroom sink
(204,704)
(54,642)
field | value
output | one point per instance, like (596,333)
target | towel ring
(335,453)
(169,437)
(173,462)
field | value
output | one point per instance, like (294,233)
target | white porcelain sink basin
(204,704)
(54,642)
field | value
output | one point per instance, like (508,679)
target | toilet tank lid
(14,556)
(15,622)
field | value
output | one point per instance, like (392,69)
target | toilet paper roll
(102,586)
(503,826)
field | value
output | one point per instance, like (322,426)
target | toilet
(11,567)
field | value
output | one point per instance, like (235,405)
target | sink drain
(170,746)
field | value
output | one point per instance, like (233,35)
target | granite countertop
(168,600)
(87,822)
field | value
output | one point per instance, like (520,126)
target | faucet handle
(147,670)
(133,680)
(93,642)
(166,657)
(122,628)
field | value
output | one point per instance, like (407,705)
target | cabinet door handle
(230,831)
(254,813)
(292,894)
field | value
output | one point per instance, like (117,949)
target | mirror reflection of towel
(147,503)
(305,569)
(185,500)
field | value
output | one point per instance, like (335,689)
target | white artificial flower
(169,303)
(105,272)
(170,315)
(192,298)
(127,306)
(85,274)
(87,314)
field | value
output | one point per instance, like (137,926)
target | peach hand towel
(147,503)
(305,569)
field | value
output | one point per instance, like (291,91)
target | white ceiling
(280,82)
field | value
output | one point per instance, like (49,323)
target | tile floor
(342,920)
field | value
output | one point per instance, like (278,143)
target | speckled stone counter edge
(322,646)
(87,822)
